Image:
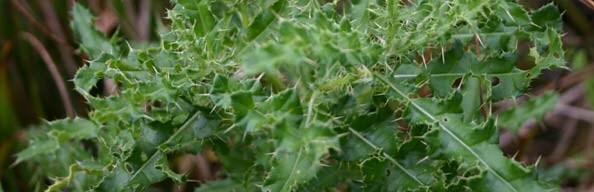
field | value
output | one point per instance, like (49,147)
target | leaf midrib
(412,75)
(447,130)
(158,152)
(390,158)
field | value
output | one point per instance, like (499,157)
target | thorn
(515,155)
(537,161)
(230,128)
(422,160)
(442,55)
(479,39)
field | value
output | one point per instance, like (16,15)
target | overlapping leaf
(309,96)
(534,108)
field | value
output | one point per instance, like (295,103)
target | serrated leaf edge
(390,158)
(447,130)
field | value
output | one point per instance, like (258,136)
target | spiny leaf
(307,95)
(264,19)
(472,96)
(360,14)
(473,145)
(536,107)
(76,128)
(150,171)
(37,148)
(296,159)
(400,168)
(147,173)
(60,131)
(92,41)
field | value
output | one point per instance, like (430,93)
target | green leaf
(472,145)
(92,41)
(547,16)
(535,108)
(116,180)
(37,148)
(370,132)
(306,95)
(60,131)
(297,158)
(196,127)
(147,173)
(360,14)
(472,96)
(77,128)
(265,19)
(299,148)
(87,76)
(151,170)
(204,18)
(405,181)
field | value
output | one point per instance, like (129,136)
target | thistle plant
(294,95)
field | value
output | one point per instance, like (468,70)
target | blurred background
(39,57)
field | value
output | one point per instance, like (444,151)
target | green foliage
(309,96)
(537,107)
(92,41)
